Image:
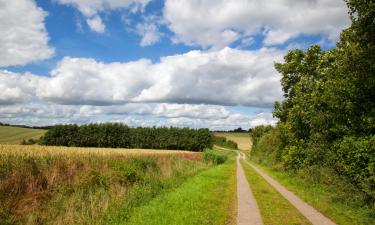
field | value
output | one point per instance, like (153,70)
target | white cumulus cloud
(217,23)
(23,38)
(225,77)
(17,88)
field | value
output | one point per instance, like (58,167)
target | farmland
(69,185)
(15,135)
(243,140)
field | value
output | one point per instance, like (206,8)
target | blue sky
(152,62)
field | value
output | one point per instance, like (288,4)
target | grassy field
(62,185)
(242,139)
(208,198)
(274,208)
(57,185)
(14,135)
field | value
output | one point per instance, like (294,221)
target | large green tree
(327,117)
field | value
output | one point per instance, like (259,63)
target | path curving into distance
(315,217)
(247,203)
(247,210)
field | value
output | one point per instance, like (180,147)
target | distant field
(242,139)
(14,135)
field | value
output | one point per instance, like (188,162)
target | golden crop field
(70,185)
(37,150)
(242,139)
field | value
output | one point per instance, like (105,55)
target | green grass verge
(207,198)
(274,208)
(14,135)
(325,199)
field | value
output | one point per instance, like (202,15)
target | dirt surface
(309,212)
(248,211)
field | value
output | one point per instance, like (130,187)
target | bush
(258,131)
(356,160)
(214,157)
(29,142)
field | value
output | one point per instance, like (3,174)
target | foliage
(116,135)
(29,142)
(327,119)
(258,131)
(356,160)
(214,157)
(223,142)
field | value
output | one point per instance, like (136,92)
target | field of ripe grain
(14,135)
(243,140)
(37,150)
(61,185)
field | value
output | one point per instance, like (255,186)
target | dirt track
(248,211)
(308,211)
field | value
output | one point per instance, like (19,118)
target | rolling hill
(14,135)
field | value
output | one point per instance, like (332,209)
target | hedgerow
(115,135)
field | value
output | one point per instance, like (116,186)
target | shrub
(356,160)
(258,131)
(214,157)
(28,142)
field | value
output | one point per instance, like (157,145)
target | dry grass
(243,140)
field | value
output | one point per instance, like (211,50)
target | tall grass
(44,185)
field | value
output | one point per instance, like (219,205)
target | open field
(68,185)
(208,198)
(56,185)
(14,135)
(242,139)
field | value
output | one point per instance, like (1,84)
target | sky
(185,63)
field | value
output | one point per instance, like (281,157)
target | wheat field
(243,140)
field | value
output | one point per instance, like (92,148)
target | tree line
(327,117)
(116,135)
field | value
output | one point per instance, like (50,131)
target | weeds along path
(247,212)
(308,211)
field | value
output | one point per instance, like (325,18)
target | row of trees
(115,135)
(327,119)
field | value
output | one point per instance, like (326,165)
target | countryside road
(315,217)
(248,211)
